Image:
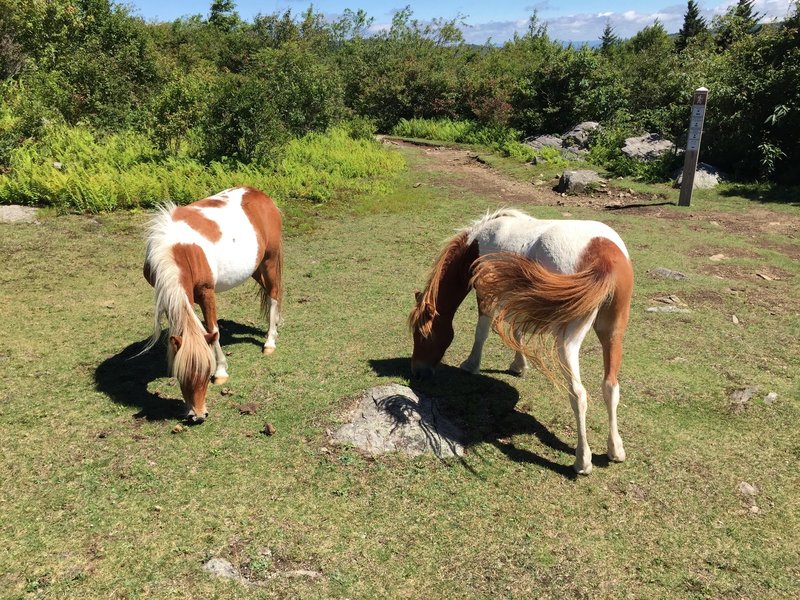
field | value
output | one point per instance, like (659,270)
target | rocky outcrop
(647,147)
(705,177)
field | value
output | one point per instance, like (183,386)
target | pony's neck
(454,275)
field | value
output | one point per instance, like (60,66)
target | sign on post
(693,145)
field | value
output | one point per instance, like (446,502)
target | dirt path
(472,173)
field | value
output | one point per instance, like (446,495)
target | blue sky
(568,20)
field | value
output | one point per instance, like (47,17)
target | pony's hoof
(617,457)
(268,349)
(582,470)
(469,367)
(517,372)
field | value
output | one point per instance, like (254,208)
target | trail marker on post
(693,145)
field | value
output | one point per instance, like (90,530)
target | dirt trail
(472,173)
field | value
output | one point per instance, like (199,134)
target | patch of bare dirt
(472,173)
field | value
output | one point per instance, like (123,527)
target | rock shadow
(486,408)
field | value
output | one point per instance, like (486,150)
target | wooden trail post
(693,145)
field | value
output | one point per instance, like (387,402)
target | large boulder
(647,147)
(15,213)
(577,182)
(705,177)
(394,417)
(578,136)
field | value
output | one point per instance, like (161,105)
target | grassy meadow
(100,499)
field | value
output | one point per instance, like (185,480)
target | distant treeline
(224,91)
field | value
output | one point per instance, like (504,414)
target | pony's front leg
(221,373)
(482,329)
(569,345)
(208,306)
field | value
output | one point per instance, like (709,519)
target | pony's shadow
(485,405)
(124,376)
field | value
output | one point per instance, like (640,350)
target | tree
(693,24)
(740,20)
(609,39)
(223,15)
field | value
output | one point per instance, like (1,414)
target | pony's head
(431,320)
(191,360)
(432,335)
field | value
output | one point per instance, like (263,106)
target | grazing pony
(196,250)
(539,277)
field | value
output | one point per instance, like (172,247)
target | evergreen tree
(693,24)
(609,39)
(223,15)
(740,20)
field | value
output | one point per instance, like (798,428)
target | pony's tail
(531,300)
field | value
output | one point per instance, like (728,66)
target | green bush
(75,169)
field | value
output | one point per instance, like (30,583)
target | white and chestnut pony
(539,277)
(196,250)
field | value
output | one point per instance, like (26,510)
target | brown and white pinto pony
(196,250)
(539,277)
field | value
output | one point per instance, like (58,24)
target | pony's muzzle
(194,418)
(421,371)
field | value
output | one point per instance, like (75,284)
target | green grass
(98,502)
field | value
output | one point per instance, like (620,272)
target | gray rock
(576,182)
(394,417)
(579,135)
(647,147)
(770,398)
(540,141)
(705,177)
(222,568)
(664,273)
(15,213)
(741,397)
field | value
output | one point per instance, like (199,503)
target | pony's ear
(212,337)
(175,341)
(417,296)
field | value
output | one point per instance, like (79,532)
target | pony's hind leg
(569,342)
(519,366)
(267,277)
(610,328)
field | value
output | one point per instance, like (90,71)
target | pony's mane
(195,357)
(478,224)
(424,311)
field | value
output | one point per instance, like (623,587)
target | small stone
(766,277)
(250,408)
(747,490)
(735,319)
(158,508)
(770,398)
(667,274)
(717,257)
(269,429)
(178,428)
(669,309)
(754,509)
(222,568)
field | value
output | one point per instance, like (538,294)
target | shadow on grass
(486,406)
(124,376)
(764,193)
